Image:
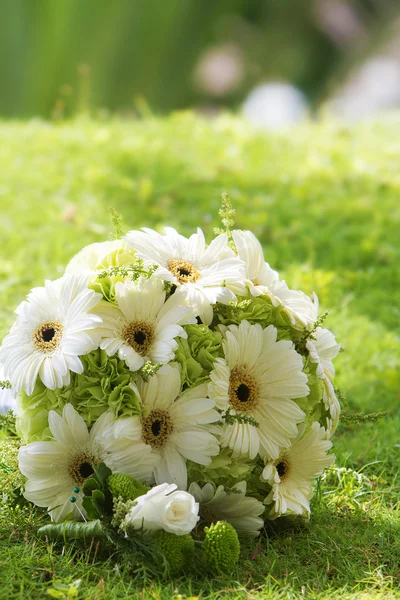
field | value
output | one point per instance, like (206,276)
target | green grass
(324,200)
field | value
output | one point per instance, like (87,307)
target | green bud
(126,487)
(178,550)
(221,547)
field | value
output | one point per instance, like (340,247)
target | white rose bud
(163,508)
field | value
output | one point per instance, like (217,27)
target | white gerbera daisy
(292,475)
(54,327)
(205,272)
(55,468)
(175,425)
(233,506)
(143,326)
(261,280)
(258,378)
(323,349)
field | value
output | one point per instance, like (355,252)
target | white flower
(293,474)
(259,276)
(261,280)
(99,256)
(323,349)
(258,379)
(233,506)
(332,405)
(55,468)
(143,326)
(53,328)
(204,273)
(163,508)
(7,400)
(174,425)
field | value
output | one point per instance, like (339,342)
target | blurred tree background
(58,57)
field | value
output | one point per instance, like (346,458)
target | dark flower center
(139,336)
(282,468)
(48,334)
(243,390)
(156,428)
(47,337)
(86,470)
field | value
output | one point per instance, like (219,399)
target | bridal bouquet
(169,391)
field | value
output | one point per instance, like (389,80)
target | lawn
(324,200)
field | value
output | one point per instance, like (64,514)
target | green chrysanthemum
(223,469)
(197,353)
(256,310)
(104,384)
(125,486)
(178,550)
(221,547)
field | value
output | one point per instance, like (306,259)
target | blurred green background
(60,57)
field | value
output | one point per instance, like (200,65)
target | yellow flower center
(183,270)
(47,337)
(139,336)
(243,390)
(156,428)
(82,466)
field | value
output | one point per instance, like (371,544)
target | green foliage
(197,353)
(8,424)
(133,271)
(97,500)
(12,480)
(126,487)
(116,220)
(104,384)
(148,370)
(227,214)
(221,547)
(176,550)
(231,418)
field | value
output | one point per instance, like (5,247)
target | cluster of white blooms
(191,367)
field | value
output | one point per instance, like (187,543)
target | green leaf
(99,501)
(102,473)
(90,485)
(91,511)
(71,530)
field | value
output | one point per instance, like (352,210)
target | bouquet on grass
(169,391)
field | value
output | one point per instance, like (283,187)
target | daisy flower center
(47,337)
(183,270)
(156,428)
(243,390)
(82,466)
(282,468)
(139,336)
